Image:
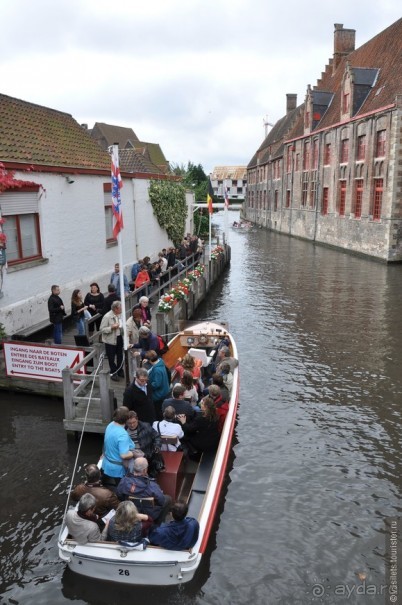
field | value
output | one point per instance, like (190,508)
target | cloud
(198,77)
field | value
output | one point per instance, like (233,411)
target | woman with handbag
(79,311)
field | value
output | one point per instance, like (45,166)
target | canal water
(316,466)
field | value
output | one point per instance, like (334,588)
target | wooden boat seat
(200,484)
(203,473)
(169,480)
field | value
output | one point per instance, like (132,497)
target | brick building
(330,170)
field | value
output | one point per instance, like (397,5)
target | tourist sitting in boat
(191,365)
(179,534)
(160,381)
(127,523)
(224,357)
(217,379)
(106,500)
(138,397)
(169,428)
(221,405)
(118,448)
(191,393)
(83,523)
(137,485)
(146,439)
(180,405)
(224,370)
(202,433)
(147,341)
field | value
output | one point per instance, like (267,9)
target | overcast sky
(196,76)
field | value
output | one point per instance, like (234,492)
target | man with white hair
(83,524)
(137,486)
(224,357)
(111,329)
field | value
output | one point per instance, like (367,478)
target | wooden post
(106,412)
(68,394)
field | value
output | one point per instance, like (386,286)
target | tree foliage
(168,201)
(194,178)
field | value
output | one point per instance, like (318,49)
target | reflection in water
(318,458)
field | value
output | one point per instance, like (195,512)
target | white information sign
(39,362)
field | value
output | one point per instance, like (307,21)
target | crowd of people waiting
(144,274)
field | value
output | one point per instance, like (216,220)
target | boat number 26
(124,572)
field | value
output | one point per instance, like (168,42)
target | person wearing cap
(147,341)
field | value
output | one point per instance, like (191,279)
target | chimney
(291,102)
(84,126)
(344,43)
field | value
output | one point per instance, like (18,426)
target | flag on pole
(226,198)
(117,184)
(210,197)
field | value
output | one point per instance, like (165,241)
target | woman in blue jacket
(158,377)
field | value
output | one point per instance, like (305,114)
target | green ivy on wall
(168,201)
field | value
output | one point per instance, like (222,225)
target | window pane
(29,242)
(10,229)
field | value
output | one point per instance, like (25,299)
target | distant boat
(199,483)
(242,225)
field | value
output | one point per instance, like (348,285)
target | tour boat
(199,483)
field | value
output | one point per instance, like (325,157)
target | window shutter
(19,202)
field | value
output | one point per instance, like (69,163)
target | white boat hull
(154,566)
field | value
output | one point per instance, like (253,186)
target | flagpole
(226,214)
(210,234)
(115,161)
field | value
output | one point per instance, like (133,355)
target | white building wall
(73,237)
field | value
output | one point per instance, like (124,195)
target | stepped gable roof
(109,134)
(383,52)
(229,172)
(35,134)
(132,160)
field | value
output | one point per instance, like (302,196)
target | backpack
(163,345)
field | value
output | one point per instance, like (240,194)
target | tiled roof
(383,52)
(272,145)
(109,134)
(35,134)
(229,172)
(156,154)
(132,160)
(377,62)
